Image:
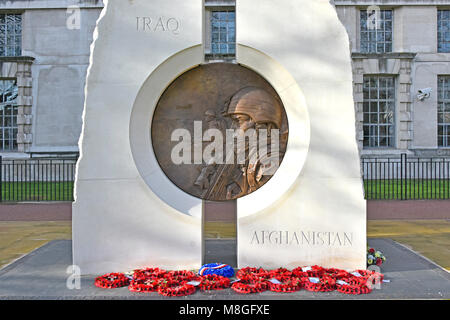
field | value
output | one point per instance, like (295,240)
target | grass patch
(37,191)
(407,189)
(393,189)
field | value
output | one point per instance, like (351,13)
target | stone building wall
(51,72)
(51,81)
(414,62)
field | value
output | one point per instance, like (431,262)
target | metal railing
(406,178)
(35,180)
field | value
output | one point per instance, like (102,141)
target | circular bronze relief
(219,131)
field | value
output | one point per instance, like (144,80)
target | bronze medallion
(212,100)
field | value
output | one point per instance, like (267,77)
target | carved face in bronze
(241,124)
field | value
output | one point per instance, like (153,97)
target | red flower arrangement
(214,282)
(142,285)
(175,289)
(322,284)
(250,286)
(286,285)
(250,280)
(112,280)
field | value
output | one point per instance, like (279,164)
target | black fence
(34,180)
(406,178)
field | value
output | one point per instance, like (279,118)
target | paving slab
(42,275)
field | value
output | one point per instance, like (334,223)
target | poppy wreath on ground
(299,273)
(249,274)
(175,289)
(250,286)
(287,285)
(352,289)
(112,280)
(314,271)
(214,282)
(337,274)
(142,280)
(355,281)
(223,270)
(146,280)
(148,285)
(324,284)
(358,284)
(251,280)
(363,273)
(181,275)
(363,278)
(280,272)
(149,273)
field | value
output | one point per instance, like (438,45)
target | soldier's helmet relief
(258,104)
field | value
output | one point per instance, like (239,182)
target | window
(376,38)
(378,111)
(443,119)
(223,32)
(443,30)
(10,35)
(8,115)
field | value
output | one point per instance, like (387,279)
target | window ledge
(16,59)
(13,155)
(368,152)
(210,57)
(388,55)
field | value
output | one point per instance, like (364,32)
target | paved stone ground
(42,275)
(18,238)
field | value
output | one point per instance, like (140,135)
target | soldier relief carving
(219,131)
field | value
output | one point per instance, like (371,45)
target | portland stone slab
(119,222)
(129,214)
(320,218)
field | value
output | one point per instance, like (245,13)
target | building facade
(401,70)
(401,66)
(44,56)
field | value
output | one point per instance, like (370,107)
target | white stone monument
(127,214)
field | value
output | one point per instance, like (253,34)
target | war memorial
(206,114)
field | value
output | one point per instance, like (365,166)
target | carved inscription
(302,238)
(158,24)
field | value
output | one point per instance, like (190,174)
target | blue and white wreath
(218,269)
